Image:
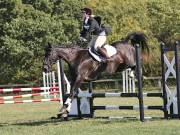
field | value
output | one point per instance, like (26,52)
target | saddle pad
(95,56)
(111,51)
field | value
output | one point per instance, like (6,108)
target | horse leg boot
(66,108)
(64,111)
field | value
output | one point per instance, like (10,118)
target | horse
(83,67)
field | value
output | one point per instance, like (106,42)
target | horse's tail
(138,38)
(141,39)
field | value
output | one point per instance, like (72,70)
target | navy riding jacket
(91,27)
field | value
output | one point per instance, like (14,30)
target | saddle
(111,50)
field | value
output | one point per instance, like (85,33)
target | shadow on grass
(99,120)
(106,120)
(39,122)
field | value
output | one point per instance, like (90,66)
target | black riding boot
(103,52)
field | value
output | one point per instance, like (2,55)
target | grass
(34,119)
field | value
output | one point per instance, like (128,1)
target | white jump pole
(59,83)
(68,84)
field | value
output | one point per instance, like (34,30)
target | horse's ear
(49,45)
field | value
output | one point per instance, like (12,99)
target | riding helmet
(86,10)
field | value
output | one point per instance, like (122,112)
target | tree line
(27,25)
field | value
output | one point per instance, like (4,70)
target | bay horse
(85,68)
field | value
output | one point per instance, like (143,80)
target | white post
(44,83)
(133,83)
(130,80)
(59,83)
(50,79)
(126,80)
(54,83)
(44,79)
(124,83)
(68,84)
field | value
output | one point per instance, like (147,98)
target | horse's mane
(68,45)
(119,42)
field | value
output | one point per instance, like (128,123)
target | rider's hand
(82,39)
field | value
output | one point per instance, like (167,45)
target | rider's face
(84,15)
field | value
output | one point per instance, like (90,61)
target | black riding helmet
(86,10)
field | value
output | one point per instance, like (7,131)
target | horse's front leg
(67,105)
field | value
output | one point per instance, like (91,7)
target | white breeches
(97,41)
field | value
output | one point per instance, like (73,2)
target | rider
(98,34)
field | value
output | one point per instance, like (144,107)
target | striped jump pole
(135,107)
(30,101)
(28,95)
(28,89)
(102,95)
(120,94)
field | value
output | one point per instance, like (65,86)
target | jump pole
(90,85)
(177,76)
(139,78)
(164,80)
(60,71)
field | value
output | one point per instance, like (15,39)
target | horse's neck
(68,54)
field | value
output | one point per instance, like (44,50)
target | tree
(26,27)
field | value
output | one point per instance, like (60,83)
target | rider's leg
(103,52)
(96,43)
(100,41)
(92,42)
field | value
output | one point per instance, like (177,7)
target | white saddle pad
(110,51)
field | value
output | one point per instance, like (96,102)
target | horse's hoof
(52,118)
(64,115)
(65,118)
(59,116)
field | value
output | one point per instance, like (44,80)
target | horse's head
(50,58)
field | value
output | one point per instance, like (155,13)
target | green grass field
(34,119)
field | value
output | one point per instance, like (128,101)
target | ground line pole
(139,78)
(176,45)
(163,81)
